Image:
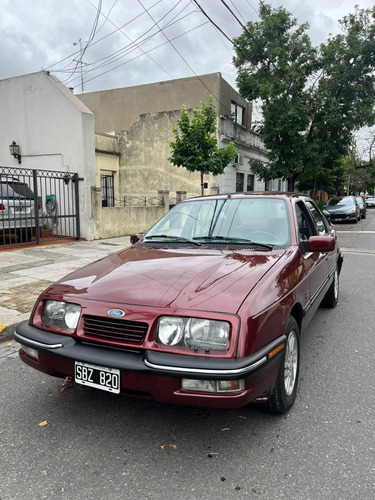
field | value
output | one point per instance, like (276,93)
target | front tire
(285,390)
(331,297)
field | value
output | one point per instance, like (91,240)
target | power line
(127,49)
(187,64)
(133,48)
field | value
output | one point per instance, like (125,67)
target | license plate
(100,377)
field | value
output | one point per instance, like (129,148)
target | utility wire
(141,55)
(116,56)
(187,64)
(132,49)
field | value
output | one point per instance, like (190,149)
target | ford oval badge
(116,313)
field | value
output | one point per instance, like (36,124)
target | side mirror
(134,238)
(321,243)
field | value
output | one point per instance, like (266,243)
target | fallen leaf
(43,424)
(66,384)
(9,344)
(225,429)
(173,446)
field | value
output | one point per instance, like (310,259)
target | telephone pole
(80,62)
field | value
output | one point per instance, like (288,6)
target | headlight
(195,333)
(60,315)
(351,211)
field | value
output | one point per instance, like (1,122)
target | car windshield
(227,221)
(346,200)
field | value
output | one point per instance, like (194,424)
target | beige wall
(144,165)
(143,117)
(120,221)
(118,109)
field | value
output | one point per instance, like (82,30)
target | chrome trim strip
(21,338)
(198,371)
(317,293)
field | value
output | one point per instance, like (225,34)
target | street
(95,445)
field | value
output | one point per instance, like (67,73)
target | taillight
(2,206)
(39,207)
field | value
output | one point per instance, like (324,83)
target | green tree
(312,99)
(195,146)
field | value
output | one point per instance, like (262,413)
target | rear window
(15,190)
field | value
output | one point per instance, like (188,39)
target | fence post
(36,209)
(163,196)
(75,180)
(180,196)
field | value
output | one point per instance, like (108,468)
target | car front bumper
(156,375)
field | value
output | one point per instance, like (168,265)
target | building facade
(142,117)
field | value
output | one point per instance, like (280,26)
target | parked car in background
(17,207)
(370,201)
(362,206)
(343,208)
(205,309)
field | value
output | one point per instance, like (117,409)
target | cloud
(40,35)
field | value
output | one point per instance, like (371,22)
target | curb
(8,332)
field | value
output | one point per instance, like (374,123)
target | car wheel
(331,297)
(364,215)
(285,390)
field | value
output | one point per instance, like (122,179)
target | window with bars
(107,183)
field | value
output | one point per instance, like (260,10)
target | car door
(324,229)
(315,263)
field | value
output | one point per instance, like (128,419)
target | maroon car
(205,309)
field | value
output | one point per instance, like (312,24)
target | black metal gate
(38,206)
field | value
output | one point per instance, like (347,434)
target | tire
(332,295)
(285,390)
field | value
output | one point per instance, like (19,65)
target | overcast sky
(133,42)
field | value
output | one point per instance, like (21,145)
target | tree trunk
(291,185)
(202,187)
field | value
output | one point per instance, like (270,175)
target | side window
(317,216)
(305,227)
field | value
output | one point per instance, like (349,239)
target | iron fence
(138,201)
(38,206)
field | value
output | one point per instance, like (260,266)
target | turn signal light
(276,350)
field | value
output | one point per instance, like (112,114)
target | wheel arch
(297,313)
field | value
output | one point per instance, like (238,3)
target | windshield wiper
(240,240)
(170,237)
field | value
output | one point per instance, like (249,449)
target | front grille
(114,329)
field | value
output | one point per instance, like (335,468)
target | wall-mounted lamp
(15,151)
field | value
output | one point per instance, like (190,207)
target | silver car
(17,207)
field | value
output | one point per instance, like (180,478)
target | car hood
(208,280)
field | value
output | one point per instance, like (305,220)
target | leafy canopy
(312,99)
(195,145)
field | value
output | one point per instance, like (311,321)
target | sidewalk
(26,272)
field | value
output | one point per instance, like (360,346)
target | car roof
(245,195)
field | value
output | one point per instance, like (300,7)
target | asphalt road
(99,446)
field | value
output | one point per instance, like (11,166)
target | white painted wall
(54,129)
